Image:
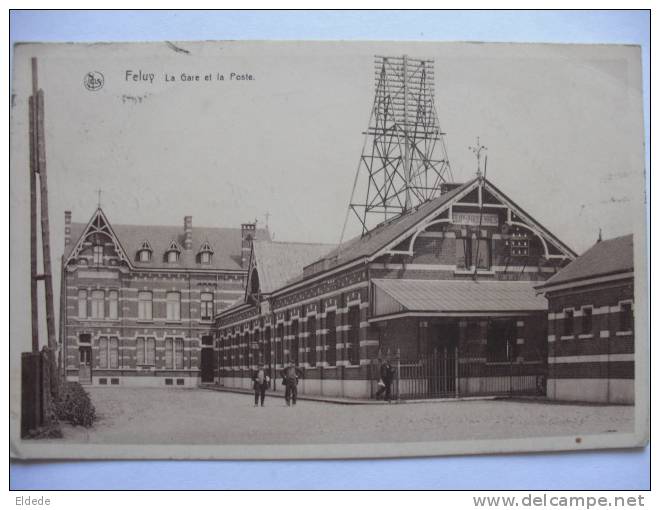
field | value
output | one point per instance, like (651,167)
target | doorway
(206,361)
(85,364)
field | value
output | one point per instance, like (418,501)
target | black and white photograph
(272,250)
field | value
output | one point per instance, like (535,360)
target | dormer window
(145,251)
(173,252)
(205,253)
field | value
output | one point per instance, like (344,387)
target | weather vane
(477,152)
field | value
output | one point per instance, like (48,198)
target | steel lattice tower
(404,158)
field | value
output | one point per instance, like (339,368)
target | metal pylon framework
(404,158)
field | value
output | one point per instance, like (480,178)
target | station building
(137,301)
(447,290)
(591,334)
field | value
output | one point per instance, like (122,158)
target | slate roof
(604,258)
(386,232)
(463,295)
(226,244)
(280,262)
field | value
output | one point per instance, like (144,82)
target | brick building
(448,284)
(138,301)
(591,327)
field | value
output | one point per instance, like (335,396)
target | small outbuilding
(591,337)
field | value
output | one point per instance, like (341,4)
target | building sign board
(487,220)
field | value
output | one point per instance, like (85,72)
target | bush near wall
(74,405)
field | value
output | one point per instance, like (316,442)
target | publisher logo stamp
(93,81)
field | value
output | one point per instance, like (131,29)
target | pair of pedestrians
(261,381)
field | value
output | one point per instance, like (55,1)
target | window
(280,338)
(173,251)
(354,335)
(98,254)
(331,336)
(463,252)
(587,321)
(481,253)
(113,299)
(82,304)
(311,356)
(114,352)
(205,253)
(268,347)
(108,352)
(625,317)
(246,349)
(501,340)
(207,306)
(144,254)
(174,353)
(173,306)
(145,306)
(169,353)
(98,304)
(568,322)
(103,352)
(295,343)
(146,351)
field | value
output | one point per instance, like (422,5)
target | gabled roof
(279,262)
(602,259)
(396,229)
(386,232)
(226,244)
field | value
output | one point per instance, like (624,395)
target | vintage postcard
(326,249)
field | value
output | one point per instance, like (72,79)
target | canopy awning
(399,297)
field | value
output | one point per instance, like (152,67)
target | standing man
(260,381)
(387,376)
(290,376)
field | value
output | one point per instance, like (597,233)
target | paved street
(194,416)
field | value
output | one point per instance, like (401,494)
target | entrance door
(85,366)
(207,365)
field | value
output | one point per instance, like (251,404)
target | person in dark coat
(260,382)
(290,376)
(387,376)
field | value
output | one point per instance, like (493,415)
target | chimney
(187,231)
(67,228)
(247,235)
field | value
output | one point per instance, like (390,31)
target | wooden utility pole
(33,231)
(38,166)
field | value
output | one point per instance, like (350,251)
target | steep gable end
(97,232)
(478,206)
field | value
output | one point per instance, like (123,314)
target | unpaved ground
(195,416)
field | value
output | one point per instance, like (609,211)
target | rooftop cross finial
(99,191)
(477,152)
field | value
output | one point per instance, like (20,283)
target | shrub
(74,405)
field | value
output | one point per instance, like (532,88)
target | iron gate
(445,374)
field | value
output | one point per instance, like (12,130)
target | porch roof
(394,296)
